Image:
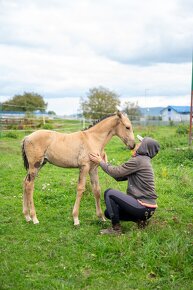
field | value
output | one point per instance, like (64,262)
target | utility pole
(1,109)
(191,109)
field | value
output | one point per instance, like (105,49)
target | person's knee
(107,192)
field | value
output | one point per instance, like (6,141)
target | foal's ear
(119,114)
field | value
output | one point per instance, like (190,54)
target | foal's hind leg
(28,203)
(25,202)
(96,190)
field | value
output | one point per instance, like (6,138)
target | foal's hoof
(28,219)
(76,222)
(103,219)
(35,221)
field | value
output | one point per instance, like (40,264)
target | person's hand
(95,158)
(135,149)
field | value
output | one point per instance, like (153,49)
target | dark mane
(97,121)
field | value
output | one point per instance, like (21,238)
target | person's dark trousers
(120,206)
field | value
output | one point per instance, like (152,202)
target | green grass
(56,255)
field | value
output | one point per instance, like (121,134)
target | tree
(28,102)
(132,110)
(51,113)
(100,102)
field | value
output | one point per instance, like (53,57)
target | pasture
(56,255)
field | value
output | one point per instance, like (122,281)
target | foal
(71,151)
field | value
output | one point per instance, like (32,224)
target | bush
(182,129)
(47,126)
(11,135)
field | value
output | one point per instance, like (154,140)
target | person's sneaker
(142,224)
(115,230)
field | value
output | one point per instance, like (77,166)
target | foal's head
(124,130)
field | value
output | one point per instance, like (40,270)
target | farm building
(176,113)
(16,114)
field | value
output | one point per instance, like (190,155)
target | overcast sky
(60,49)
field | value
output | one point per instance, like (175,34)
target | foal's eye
(128,128)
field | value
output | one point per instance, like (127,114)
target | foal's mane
(98,121)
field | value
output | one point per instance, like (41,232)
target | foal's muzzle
(131,145)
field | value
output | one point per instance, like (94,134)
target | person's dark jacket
(138,171)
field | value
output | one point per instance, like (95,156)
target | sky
(142,50)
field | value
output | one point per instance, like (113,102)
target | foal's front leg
(80,189)
(96,190)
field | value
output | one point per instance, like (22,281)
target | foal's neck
(104,131)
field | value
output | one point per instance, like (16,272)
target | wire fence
(27,122)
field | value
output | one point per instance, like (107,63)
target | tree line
(99,102)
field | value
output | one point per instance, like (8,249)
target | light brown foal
(71,151)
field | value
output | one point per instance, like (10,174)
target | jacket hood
(149,147)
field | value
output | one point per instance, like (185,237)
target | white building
(176,113)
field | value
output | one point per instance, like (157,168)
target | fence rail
(29,124)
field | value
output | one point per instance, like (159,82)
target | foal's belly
(65,163)
(69,156)
(62,158)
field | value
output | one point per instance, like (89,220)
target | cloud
(132,32)
(63,48)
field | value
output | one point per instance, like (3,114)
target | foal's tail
(25,161)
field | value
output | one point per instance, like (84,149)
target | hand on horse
(95,158)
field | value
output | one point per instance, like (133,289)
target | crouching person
(139,204)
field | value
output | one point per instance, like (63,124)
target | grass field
(56,255)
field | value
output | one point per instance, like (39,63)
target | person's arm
(124,178)
(121,172)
